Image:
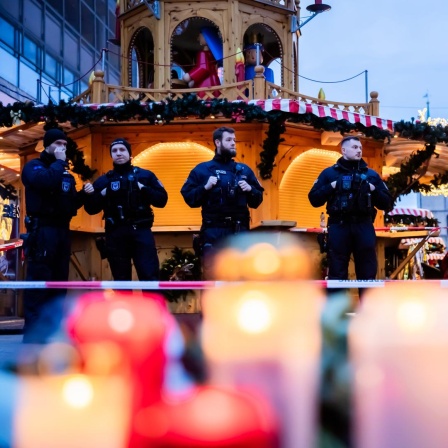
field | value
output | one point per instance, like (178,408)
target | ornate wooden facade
(150,48)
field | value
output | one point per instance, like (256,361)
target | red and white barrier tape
(184,285)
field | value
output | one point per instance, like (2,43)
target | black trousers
(358,239)
(126,244)
(48,260)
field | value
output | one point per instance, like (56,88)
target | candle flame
(77,391)
(121,320)
(412,315)
(254,315)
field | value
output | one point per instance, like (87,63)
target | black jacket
(225,199)
(50,191)
(352,193)
(124,200)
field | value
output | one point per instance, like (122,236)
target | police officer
(351,191)
(51,202)
(224,189)
(125,195)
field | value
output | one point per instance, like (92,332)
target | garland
(176,268)
(414,167)
(164,112)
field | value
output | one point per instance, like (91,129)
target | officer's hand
(212,181)
(372,187)
(244,186)
(88,188)
(103,192)
(59,153)
(333,184)
(140,185)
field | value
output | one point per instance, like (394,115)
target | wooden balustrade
(259,88)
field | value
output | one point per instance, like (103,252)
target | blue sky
(401,43)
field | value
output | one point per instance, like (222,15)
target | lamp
(315,9)
(318,7)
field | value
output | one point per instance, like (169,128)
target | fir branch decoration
(177,268)
(407,179)
(191,105)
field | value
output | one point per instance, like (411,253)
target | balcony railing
(259,88)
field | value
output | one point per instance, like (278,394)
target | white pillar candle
(266,335)
(399,346)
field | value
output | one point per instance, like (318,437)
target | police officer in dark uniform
(125,195)
(51,202)
(351,191)
(224,189)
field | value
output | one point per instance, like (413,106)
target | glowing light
(254,315)
(121,320)
(78,391)
(266,259)
(412,315)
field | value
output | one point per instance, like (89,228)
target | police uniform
(128,219)
(225,206)
(51,202)
(351,210)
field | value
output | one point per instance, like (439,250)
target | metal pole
(103,59)
(367,85)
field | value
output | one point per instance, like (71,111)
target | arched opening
(271,51)
(296,184)
(187,51)
(172,163)
(141,59)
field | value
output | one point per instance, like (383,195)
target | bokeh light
(78,391)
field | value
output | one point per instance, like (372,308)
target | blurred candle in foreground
(265,333)
(399,345)
(71,409)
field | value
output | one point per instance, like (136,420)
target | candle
(398,344)
(71,411)
(138,325)
(265,333)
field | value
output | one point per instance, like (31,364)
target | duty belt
(349,219)
(225,221)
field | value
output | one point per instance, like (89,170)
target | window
(53,37)
(87,61)
(28,79)
(31,51)
(51,67)
(88,25)
(71,50)
(69,77)
(11,7)
(56,4)
(65,95)
(46,90)
(32,17)
(91,3)
(7,33)
(101,9)
(100,35)
(72,13)
(8,67)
